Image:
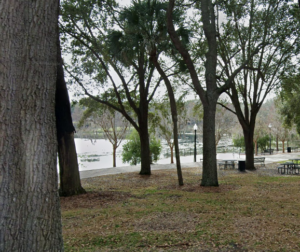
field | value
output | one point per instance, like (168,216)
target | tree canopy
(288,102)
(265,34)
(240,47)
(105,48)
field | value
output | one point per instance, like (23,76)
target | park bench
(294,170)
(260,160)
(226,164)
(267,151)
(293,149)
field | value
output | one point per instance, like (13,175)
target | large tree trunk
(30,217)
(210,174)
(70,183)
(145,152)
(145,143)
(248,136)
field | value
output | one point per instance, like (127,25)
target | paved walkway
(136,168)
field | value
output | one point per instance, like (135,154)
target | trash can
(242,165)
(289,149)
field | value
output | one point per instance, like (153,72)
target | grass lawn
(252,211)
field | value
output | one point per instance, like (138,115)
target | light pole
(195,151)
(270,126)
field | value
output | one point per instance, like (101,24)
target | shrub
(132,149)
(239,141)
(263,142)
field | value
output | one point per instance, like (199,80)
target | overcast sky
(124,2)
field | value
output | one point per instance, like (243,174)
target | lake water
(97,154)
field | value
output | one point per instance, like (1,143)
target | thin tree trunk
(282,146)
(177,154)
(114,156)
(153,58)
(255,142)
(172,159)
(30,218)
(70,183)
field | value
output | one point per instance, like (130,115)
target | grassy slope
(127,212)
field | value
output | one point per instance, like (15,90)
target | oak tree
(203,55)
(271,28)
(30,218)
(111,59)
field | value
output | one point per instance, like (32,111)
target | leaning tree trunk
(68,165)
(153,59)
(30,217)
(210,174)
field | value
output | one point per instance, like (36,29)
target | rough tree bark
(70,183)
(210,174)
(30,217)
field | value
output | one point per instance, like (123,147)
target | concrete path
(136,168)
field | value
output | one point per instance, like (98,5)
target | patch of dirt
(254,226)
(167,221)
(210,189)
(202,189)
(93,199)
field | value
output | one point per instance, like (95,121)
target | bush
(132,149)
(239,141)
(263,142)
